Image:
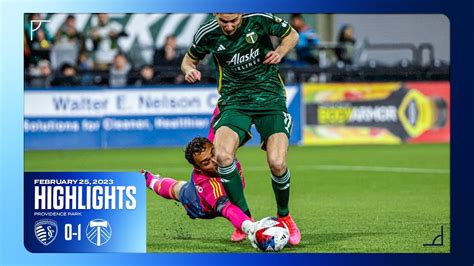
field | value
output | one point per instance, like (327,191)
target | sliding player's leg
(234,214)
(182,191)
(171,189)
(165,187)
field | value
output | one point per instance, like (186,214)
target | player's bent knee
(224,158)
(277,166)
(177,189)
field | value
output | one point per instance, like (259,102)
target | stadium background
(374,198)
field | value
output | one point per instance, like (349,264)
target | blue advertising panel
(92,118)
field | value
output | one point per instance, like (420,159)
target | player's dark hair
(196,145)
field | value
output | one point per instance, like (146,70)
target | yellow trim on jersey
(213,188)
(219,86)
(191,55)
(287,32)
(218,192)
(219,189)
(282,84)
(219,82)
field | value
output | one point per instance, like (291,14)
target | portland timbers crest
(46,231)
(251,37)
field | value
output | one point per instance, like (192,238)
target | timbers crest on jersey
(251,37)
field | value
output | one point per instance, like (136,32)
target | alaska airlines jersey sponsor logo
(240,62)
(238,59)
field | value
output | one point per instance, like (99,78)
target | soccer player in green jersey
(251,92)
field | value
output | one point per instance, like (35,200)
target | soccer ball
(270,235)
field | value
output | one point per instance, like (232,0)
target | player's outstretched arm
(287,43)
(188,67)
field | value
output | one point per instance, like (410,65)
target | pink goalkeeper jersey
(209,189)
(210,134)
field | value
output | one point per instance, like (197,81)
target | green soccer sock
(281,188)
(232,182)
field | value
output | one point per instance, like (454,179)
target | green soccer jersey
(244,82)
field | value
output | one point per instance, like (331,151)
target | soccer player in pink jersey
(203,196)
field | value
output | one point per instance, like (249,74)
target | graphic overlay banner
(104,118)
(72,212)
(376,113)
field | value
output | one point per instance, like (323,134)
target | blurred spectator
(147,76)
(169,56)
(66,76)
(307,41)
(105,41)
(42,75)
(40,41)
(84,62)
(68,41)
(68,32)
(118,74)
(84,65)
(345,40)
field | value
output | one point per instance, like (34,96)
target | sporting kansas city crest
(251,37)
(46,231)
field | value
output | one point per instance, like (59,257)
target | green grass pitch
(344,199)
